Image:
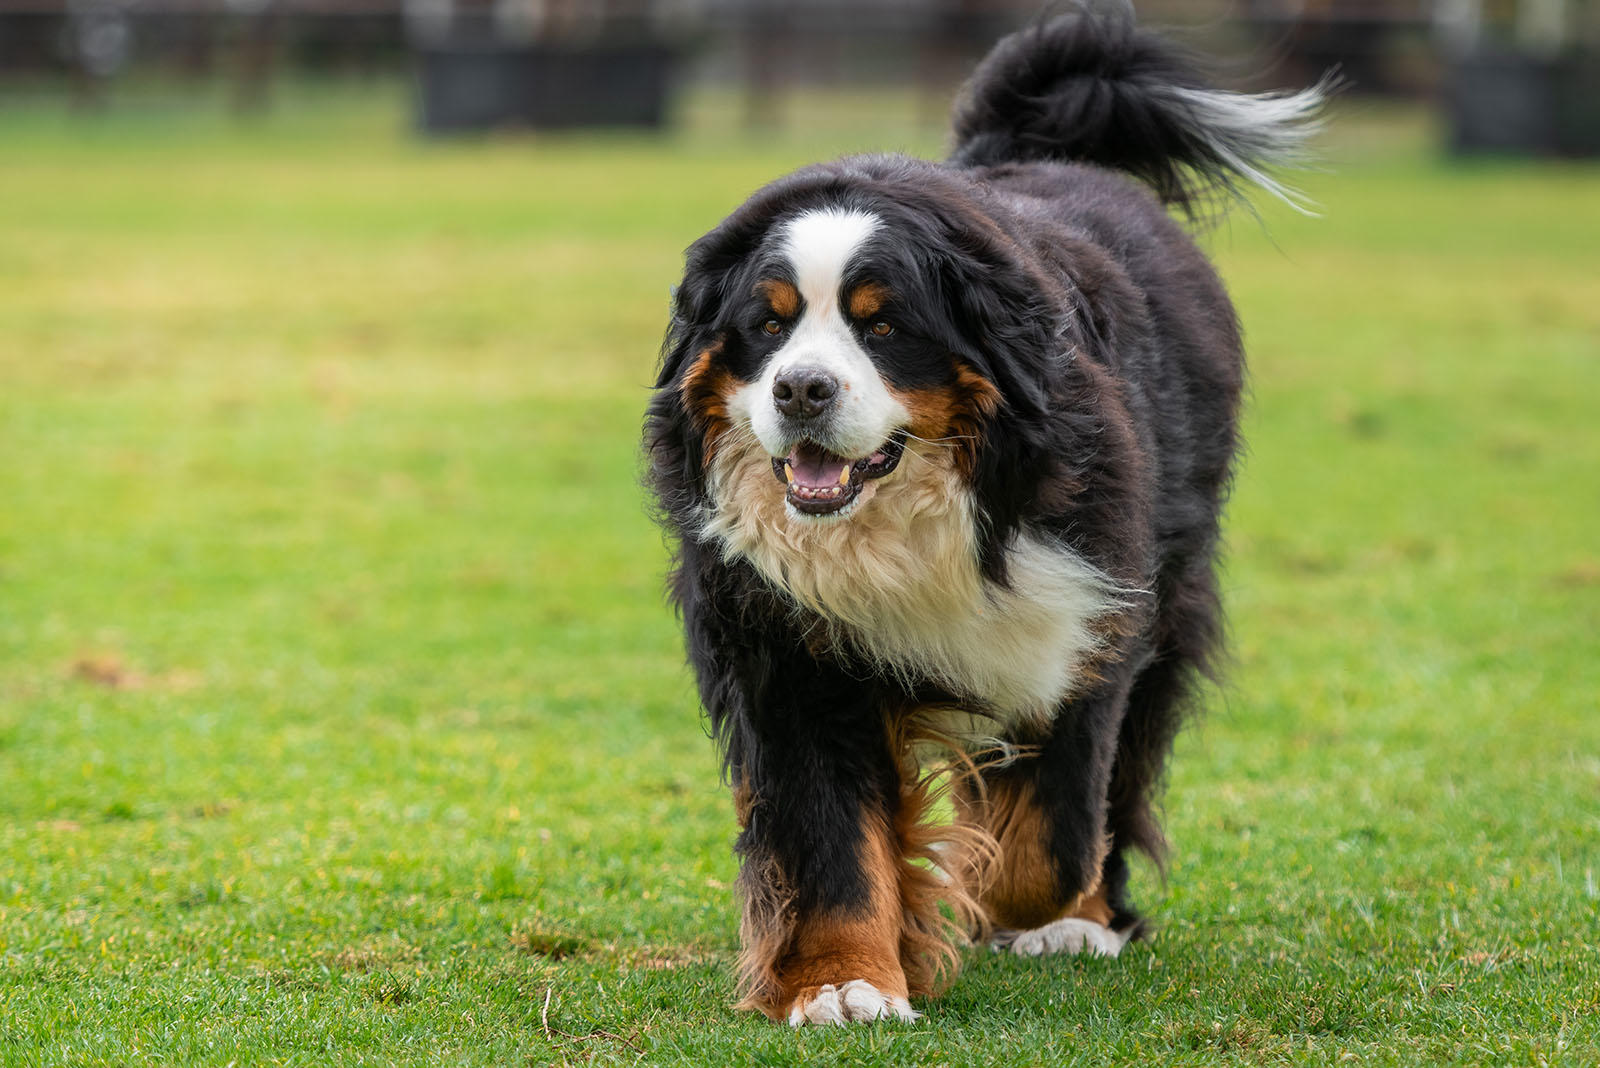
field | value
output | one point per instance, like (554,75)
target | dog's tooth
(788,472)
(844,475)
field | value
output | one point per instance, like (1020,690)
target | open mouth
(821,483)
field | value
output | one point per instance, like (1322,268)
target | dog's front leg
(815,785)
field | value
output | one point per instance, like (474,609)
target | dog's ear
(674,449)
(711,266)
(1004,329)
(1038,341)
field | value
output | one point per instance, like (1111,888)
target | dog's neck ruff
(897,581)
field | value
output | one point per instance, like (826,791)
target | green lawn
(342,720)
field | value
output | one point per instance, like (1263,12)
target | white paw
(1070,935)
(850,1002)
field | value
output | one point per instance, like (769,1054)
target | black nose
(804,392)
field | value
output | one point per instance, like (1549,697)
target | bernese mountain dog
(943,449)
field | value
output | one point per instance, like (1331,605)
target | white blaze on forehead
(819,246)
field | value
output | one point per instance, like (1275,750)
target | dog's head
(851,328)
(830,359)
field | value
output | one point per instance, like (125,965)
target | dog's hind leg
(1049,891)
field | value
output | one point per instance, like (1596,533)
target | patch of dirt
(108,670)
(552,945)
(1582,573)
(374,954)
(113,672)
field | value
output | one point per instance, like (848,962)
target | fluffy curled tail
(1092,88)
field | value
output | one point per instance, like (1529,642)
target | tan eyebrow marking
(783,296)
(867,299)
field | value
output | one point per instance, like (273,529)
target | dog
(943,448)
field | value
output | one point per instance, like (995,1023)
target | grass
(342,721)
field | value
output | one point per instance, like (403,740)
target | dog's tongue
(816,468)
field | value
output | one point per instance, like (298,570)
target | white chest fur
(898,580)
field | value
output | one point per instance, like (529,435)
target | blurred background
(1512,74)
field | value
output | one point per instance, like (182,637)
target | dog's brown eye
(882,328)
(772,326)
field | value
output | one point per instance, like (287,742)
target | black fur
(1118,360)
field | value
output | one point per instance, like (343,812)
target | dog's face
(830,418)
(833,352)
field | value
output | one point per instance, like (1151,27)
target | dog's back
(1051,121)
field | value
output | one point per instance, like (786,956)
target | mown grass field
(342,720)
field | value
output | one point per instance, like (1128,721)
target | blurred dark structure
(1379,47)
(544,63)
(246,43)
(485,84)
(1524,77)
(1515,75)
